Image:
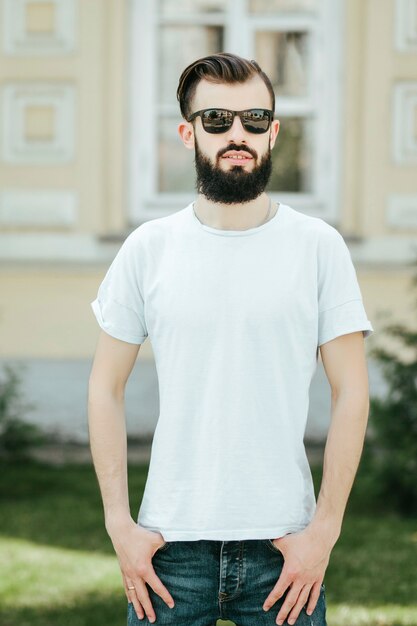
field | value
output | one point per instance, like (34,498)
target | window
(296,42)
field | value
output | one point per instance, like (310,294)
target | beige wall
(96,70)
(47,311)
(45,307)
(372,67)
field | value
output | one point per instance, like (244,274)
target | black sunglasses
(220,120)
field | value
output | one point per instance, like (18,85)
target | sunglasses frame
(234,113)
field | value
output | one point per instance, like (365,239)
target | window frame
(324,101)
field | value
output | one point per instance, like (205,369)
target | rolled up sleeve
(119,305)
(341,308)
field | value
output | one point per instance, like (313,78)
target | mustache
(238,149)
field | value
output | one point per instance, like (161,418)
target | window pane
(168,7)
(292,156)
(176,163)
(284,57)
(273,6)
(178,47)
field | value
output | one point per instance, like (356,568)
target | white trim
(54,248)
(324,101)
(17,41)
(296,22)
(142,39)
(191,19)
(401,210)
(236,27)
(404,106)
(389,253)
(166,203)
(329,178)
(16,98)
(405,31)
(38,207)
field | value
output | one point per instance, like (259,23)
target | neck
(234,216)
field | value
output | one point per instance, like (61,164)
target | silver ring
(131,587)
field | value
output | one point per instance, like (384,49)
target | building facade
(90,149)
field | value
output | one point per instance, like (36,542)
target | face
(220,178)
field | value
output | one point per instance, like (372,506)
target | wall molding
(390,252)
(38,207)
(17,98)
(404,132)
(405,30)
(18,40)
(401,210)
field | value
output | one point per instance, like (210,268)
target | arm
(307,553)
(112,366)
(134,546)
(345,366)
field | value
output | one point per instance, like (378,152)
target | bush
(16,435)
(391,457)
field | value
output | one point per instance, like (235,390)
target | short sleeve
(119,305)
(340,305)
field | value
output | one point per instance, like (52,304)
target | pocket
(164,546)
(273,547)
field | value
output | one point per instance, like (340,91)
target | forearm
(342,455)
(106,420)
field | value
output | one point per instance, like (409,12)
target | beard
(234,186)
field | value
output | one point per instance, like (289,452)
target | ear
(186,132)
(274,132)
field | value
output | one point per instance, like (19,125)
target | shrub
(391,457)
(16,435)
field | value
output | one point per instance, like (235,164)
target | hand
(135,547)
(306,557)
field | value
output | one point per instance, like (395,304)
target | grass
(58,565)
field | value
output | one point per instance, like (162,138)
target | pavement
(57,390)
(62,453)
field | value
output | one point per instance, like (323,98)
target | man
(237,294)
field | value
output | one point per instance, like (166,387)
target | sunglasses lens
(217,120)
(256,120)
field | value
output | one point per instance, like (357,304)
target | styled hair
(222,67)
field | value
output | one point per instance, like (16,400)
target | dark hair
(222,67)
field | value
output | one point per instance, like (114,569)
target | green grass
(57,564)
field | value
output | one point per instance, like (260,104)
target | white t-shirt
(235,318)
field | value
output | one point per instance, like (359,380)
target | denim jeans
(228,580)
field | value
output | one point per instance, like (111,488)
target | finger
(126,584)
(157,585)
(314,596)
(302,599)
(289,603)
(130,591)
(142,595)
(136,604)
(278,590)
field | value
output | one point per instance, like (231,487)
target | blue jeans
(228,580)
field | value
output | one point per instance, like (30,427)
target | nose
(236,132)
